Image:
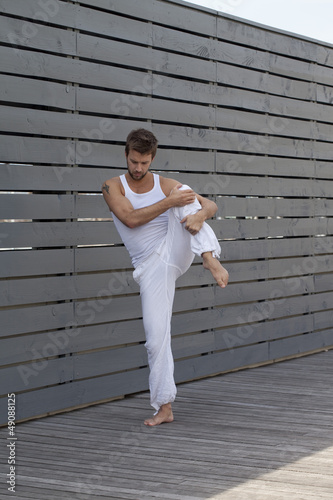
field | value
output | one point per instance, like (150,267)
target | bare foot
(219,273)
(164,415)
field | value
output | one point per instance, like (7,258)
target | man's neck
(143,185)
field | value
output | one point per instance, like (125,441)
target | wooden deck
(263,433)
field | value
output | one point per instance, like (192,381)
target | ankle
(207,257)
(166,407)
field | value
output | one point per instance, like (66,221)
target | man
(162,225)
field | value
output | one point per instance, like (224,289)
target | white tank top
(141,241)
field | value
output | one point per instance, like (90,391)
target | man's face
(138,164)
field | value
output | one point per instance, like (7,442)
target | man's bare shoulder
(113,184)
(168,184)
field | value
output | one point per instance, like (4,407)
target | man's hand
(180,198)
(193,223)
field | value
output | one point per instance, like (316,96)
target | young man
(162,225)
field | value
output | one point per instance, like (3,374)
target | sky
(310,18)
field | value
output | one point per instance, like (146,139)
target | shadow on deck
(263,433)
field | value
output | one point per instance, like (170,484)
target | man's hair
(141,140)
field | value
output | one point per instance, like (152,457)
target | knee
(153,346)
(184,186)
(190,209)
(157,335)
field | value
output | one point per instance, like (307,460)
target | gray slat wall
(243,114)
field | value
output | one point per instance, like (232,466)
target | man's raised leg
(204,243)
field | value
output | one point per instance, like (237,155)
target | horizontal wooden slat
(65,178)
(105,287)
(300,344)
(36,290)
(246,164)
(33,347)
(219,362)
(39,318)
(237,54)
(100,128)
(273,207)
(218,317)
(249,79)
(323,282)
(278,66)
(38,346)
(160,12)
(109,361)
(31,206)
(215,363)
(274,125)
(237,85)
(51,234)
(323,319)
(298,266)
(91,206)
(231,251)
(36,262)
(225,183)
(38,374)
(273,41)
(81,18)
(136,57)
(101,258)
(266,248)
(36,92)
(65,125)
(65,396)
(19,32)
(32,149)
(60,13)
(249,143)
(92,153)
(54,177)
(42,65)
(267,207)
(129,105)
(70,340)
(54,234)
(323,245)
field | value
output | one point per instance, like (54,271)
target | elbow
(213,207)
(130,223)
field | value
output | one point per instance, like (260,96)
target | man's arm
(123,209)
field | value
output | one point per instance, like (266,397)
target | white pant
(157,277)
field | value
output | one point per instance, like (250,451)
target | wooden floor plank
(259,434)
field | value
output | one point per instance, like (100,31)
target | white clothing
(156,276)
(141,241)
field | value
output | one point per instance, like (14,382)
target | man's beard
(136,178)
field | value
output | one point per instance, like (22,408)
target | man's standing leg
(157,288)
